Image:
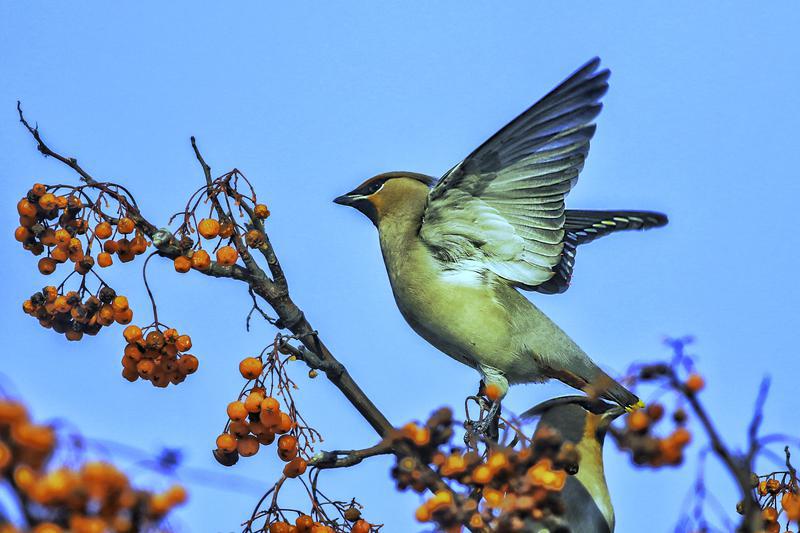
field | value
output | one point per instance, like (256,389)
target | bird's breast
(455,310)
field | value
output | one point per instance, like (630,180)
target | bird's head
(387,193)
(576,417)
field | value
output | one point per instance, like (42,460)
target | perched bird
(583,422)
(457,250)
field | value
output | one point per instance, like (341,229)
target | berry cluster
(94,497)
(778,494)
(647,448)
(74,313)
(518,487)
(306,524)
(254,420)
(212,229)
(60,225)
(157,356)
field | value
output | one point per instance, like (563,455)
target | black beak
(614,413)
(343,200)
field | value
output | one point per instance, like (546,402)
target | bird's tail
(604,386)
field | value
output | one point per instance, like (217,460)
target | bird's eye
(374,187)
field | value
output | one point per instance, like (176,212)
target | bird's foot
(486,426)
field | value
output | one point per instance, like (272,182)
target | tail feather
(583,226)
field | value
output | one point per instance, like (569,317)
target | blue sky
(308,100)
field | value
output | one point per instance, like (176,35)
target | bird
(458,250)
(583,422)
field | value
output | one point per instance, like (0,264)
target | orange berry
(47,266)
(261,211)
(227,255)
(493,392)
(655,411)
(125,225)
(132,333)
(27,221)
(183,343)
(22,234)
(638,421)
(482,474)
(695,383)
(773,486)
(120,303)
(237,411)
(681,436)
(208,228)
(182,264)
(47,201)
(250,368)
(111,247)
(770,514)
(285,424)
(295,467)
(73,335)
(287,447)
(188,364)
(139,245)
(362,526)
(59,254)
(240,428)
(25,208)
(131,374)
(38,189)
(226,442)
(123,317)
(104,259)
(279,527)
(253,402)
(176,494)
(304,523)
(103,230)
(62,237)
(248,446)
(62,304)
(201,260)
(146,368)
(271,405)
(422,514)
(171,335)
(254,238)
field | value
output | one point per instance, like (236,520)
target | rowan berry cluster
(93,497)
(778,494)
(306,524)
(222,232)
(157,356)
(638,435)
(647,448)
(256,418)
(58,220)
(517,487)
(76,313)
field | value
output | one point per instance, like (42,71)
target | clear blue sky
(700,122)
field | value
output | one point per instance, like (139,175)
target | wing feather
(501,209)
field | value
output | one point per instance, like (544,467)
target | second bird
(457,249)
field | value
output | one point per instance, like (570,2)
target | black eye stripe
(369,188)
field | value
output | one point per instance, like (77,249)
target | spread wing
(502,208)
